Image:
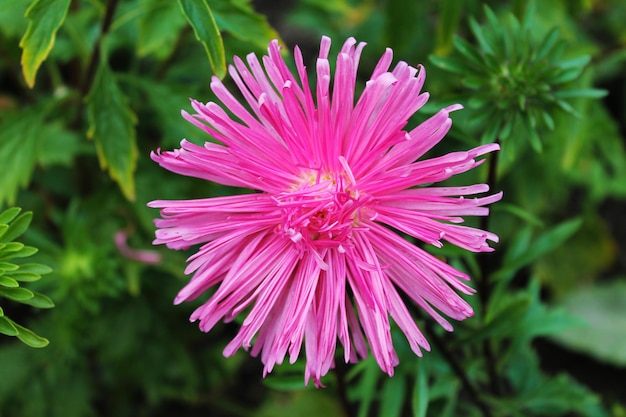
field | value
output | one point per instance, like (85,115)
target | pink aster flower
(312,258)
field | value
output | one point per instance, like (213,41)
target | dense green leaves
(201,19)
(46,17)
(112,127)
(119,72)
(19,140)
(515,77)
(12,226)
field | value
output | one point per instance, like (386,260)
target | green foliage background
(89,88)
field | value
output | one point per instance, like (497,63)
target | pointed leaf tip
(46,17)
(201,20)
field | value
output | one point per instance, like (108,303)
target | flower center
(321,212)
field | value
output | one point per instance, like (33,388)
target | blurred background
(88,88)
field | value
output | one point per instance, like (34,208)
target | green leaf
(12,20)
(420,391)
(8,282)
(31,268)
(519,212)
(7,327)
(10,247)
(112,127)
(23,276)
(238,18)
(29,337)
(548,43)
(16,250)
(501,322)
(450,64)
(16,294)
(159,28)
(9,214)
(17,227)
(582,93)
(6,267)
(59,146)
(39,301)
(286,382)
(447,25)
(46,17)
(468,51)
(365,388)
(201,19)
(19,140)
(603,309)
(567,75)
(392,399)
(543,245)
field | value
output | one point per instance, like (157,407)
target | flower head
(313,257)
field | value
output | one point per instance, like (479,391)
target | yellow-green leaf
(29,337)
(112,127)
(46,17)
(201,19)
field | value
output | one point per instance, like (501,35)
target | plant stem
(90,74)
(484,286)
(456,367)
(342,387)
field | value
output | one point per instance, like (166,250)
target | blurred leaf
(392,396)
(7,327)
(8,282)
(453,65)
(503,316)
(112,126)
(23,276)
(583,93)
(520,213)
(159,28)
(17,227)
(201,19)
(603,308)
(12,20)
(285,382)
(33,269)
(363,389)
(5,266)
(543,245)
(420,396)
(39,301)
(58,145)
(9,214)
(29,337)
(16,250)
(555,396)
(238,18)
(46,17)
(3,229)
(447,25)
(300,404)
(16,294)
(580,259)
(19,141)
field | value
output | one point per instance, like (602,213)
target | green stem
(484,286)
(90,74)
(342,387)
(456,367)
